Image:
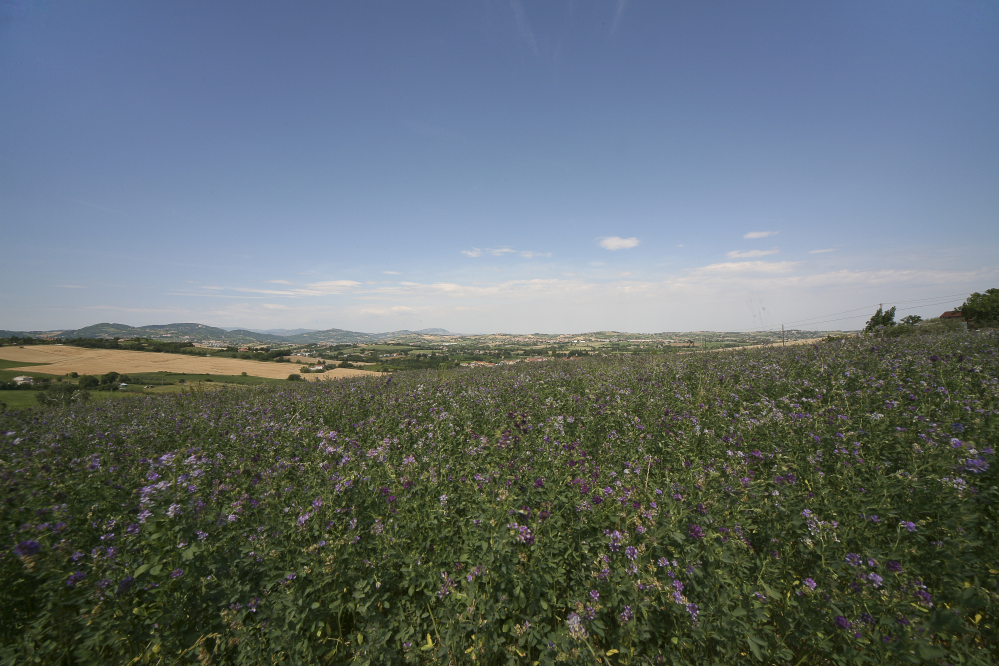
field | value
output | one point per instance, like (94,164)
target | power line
(914,307)
(866,307)
(937,300)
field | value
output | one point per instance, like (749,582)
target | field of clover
(822,504)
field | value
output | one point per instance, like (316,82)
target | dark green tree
(88,382)
(885,318)
(911,320)
(982,309)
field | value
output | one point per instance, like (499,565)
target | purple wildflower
(575,627)
(842,622)
(693,610)
(27,548)
(626,614)
(975,465)
(894,566)
(631,552)
(75,578)
(176,573)
(695,531)
(854,560)
(126,584)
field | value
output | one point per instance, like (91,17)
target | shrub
(88,382)
(62,395)
(982,309)
(881,320)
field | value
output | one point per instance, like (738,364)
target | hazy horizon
(477,167)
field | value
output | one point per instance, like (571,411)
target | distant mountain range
(278,331)
(203,333)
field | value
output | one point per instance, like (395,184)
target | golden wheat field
(60,360)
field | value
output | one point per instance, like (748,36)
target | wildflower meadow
(831,503)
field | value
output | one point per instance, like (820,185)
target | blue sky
(495,166)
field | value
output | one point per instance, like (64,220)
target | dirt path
(61,360)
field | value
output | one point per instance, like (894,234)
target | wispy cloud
(746,254)
(828,249)
(392,272)
(501,251)
(70,286)
(617,16)
(575,302)
(213,288)
(326,287)
(278,282)
(523,26)
(760,234)
(750,267)
(618,243)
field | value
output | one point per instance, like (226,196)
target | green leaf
(141,570)
(755,650)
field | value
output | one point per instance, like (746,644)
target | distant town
(316,351)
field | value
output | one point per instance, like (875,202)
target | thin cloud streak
(747,254)
(500,252)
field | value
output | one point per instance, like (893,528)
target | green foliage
(88,382)
(295,377)
(828,504)
(62,395)
(982,309)
(881,319)
(911,320)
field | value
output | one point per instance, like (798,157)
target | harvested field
(60,360)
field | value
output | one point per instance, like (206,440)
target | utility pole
(782,344)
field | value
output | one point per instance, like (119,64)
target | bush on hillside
(982,310)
